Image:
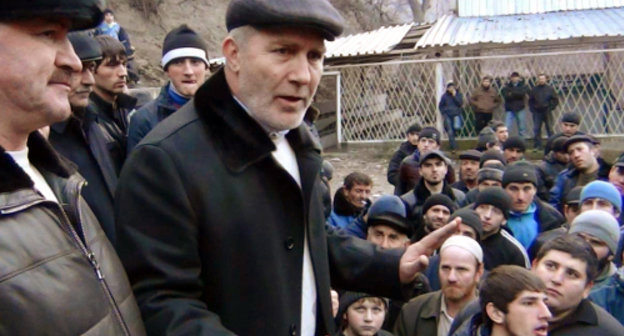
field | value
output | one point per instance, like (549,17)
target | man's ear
(587,289)
(231,52)
(495,314)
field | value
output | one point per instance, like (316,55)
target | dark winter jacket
(502,248)
(451,105)
(87,145)
(515,96)
(567,179)
(551,168)
(113,119)
(58,272)
(611,295)
(420,316)
(588,319)
(543,98)
(485,101)
(405,149)
(211,227)
(145,119)
(473,326)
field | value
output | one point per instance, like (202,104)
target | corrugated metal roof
(369,43)
(454,31)
(374,42)
(516,7)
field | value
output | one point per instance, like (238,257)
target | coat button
(293,330)
(289,243)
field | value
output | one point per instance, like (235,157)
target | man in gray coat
(219,208)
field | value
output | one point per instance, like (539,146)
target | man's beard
(433,183)
(602,263)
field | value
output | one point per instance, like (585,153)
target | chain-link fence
(379,101)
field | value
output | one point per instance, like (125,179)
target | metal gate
(379,101)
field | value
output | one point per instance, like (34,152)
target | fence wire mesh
(379,101)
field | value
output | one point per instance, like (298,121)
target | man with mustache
(109,102)
(185,64)
(60,275)
(431,314)
(219,208)
(84,142)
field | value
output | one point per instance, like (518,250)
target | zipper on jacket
(90,255)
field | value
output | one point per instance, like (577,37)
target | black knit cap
(438,199)
(471,154)
(431,133)
(85,46)
(316,14)
(349,298)
(571,117)
(495,196)
(182,42)
(470,218)
(519,172)
(414,128)
(514,142)
(83,14)
(492,154)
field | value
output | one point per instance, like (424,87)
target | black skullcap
(571,117)
(515,74)
(317,14)
(182,42)
(520,173)
(558,145)
(515,142)
(471,154)
(470,218)
(85,46)
(492,154)
(431,133)
(438,199)
(579,138)
(495,196)
(83,14)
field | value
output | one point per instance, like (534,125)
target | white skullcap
(465,243)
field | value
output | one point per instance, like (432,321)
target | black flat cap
(471,154)
(83,14)
(432,154)
(316,14)
(85,46)
(578,138)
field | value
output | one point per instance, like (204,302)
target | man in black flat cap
(219,208)
(83,142)
(60,275)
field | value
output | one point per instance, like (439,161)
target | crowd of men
(205,211)
(539,247)
(541,100)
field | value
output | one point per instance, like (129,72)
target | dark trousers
(452,124)
(481,120)
(540,118)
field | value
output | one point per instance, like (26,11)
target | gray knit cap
(599,224)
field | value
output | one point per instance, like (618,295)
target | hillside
(208,18)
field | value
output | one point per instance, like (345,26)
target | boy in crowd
(569,124)
(361,314)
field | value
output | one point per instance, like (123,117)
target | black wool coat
(211,228)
